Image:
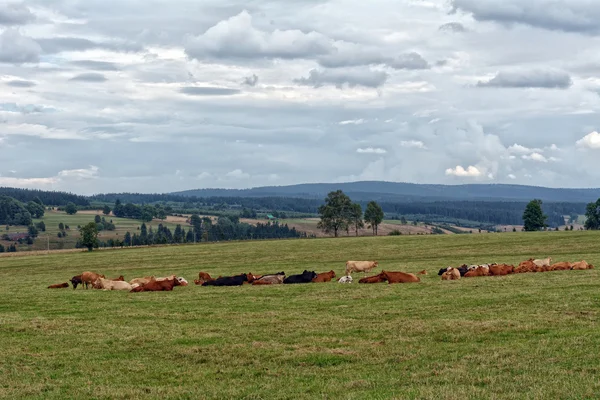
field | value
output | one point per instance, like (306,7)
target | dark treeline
(49,198)
(13,212)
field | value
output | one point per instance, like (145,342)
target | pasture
(530,336)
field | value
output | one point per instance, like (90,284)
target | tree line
(46,197)
(339,214)
(14,212)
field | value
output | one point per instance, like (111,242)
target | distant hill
(402,192)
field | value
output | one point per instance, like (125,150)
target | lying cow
(272,279)
(157,286)
(543,263)
(119,279)
(324,277)
(561,266)
(360,266)
(373,279)
(108,284)
(479,271)
(501,270)
(582,265)
(463,269)
(399,277)
(453,274)
(59,286)
(304,277)
(237,280)
(345,279)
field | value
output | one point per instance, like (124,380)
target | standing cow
(360,266)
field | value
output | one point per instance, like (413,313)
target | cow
(76,280)
(119,279)
(525,267)
(271,279)
(399,277)
(463,269)
(345,279)
(451,275)
(141,281)
(165,278)
(373,279)
(501,270)
(237,280)
(108,284)
(543,263)
(182,281)
(89,278)
(360,266)
(479,271)
(424,272)
(324,277)
(156,286)
(59,286)
(582,265)
(561,266)
(204,276)
(304,277)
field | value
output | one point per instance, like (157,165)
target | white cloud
(417,144)
(353,122)
(590,141)
(470,172)
(517,148)
(512,176)
(535,157)
(84,173)
(371,150)
(237,174)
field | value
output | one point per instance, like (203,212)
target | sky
(157,96)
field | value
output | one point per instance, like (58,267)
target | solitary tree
(373,216)
(357,217)
(592,214)
(533,217)
(335,213)
(97,219)
(89,236)
(106,210)
(71,209)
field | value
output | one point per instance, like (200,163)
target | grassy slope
(523,336)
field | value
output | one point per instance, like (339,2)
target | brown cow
(119,279)
(204,276)
(360,266)
(501,270)
(582,265)
(399,277)
(424,272)
(269,280)
(324,277)
(452,274)
(479,271)
(373,279)
(525,267)
(59,286)
(561,266)
(141,281)
(157,286)
(89,278)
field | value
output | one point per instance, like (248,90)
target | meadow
(531,336)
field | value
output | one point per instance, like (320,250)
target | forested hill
(49,198)
(403,192)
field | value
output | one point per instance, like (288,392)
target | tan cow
(501,269)
(582,265)
(360,266)
(107,284)
(451,275)
(399,277)
(546,262)
(89,278)
(141,281)
(561,266)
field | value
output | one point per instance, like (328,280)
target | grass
(529,336)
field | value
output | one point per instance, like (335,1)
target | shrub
(395,232)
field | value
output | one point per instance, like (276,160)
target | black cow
(305,277)
(76,280)
(463,269)
(237,280)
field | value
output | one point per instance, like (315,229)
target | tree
(196,222)
(32,230)
(106,210)
(119,209)
(357,217)
(89,236)
(71,209)
(41,226)
(61,226)
(533,216)
(403,220)
(592,214)
(373,216)
(127,239)
(335,213)
(36,210)
(97,219)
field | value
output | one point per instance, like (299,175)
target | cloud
(208,91)
(519,149)
(590,141)
(535,157)
(415,144)
(237,174)
(344,77)
(63,177)
(371,150)
(512,176)
(15,14)
(453,27)
(353,122)
(20,83)
(470,172)
(55,45)
(409,61)
(579,16)
(237,37)
(89,77)
(250,80)
(16,48)
(80,174)
(547,79)
(96,65)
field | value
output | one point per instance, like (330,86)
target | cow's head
(332,274)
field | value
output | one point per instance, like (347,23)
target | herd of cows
(153,284)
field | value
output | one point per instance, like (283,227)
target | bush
(60,235)
(395,232)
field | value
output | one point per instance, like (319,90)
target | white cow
(345,279)
(106,284)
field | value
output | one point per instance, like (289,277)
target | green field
(533,336)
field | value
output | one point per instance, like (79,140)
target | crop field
(529,336)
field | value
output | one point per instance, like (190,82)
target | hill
(403,192)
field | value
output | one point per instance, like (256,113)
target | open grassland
(531,336)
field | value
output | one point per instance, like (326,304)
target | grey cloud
(453,27)
(89,77)
(15,14)
(20,83)
(356,56)
(96,65)
(238,38)
(59,44)
(208,91)
(15,48)
(340,78)
(547,79)
(561,15)
(409,61)
(251,80)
